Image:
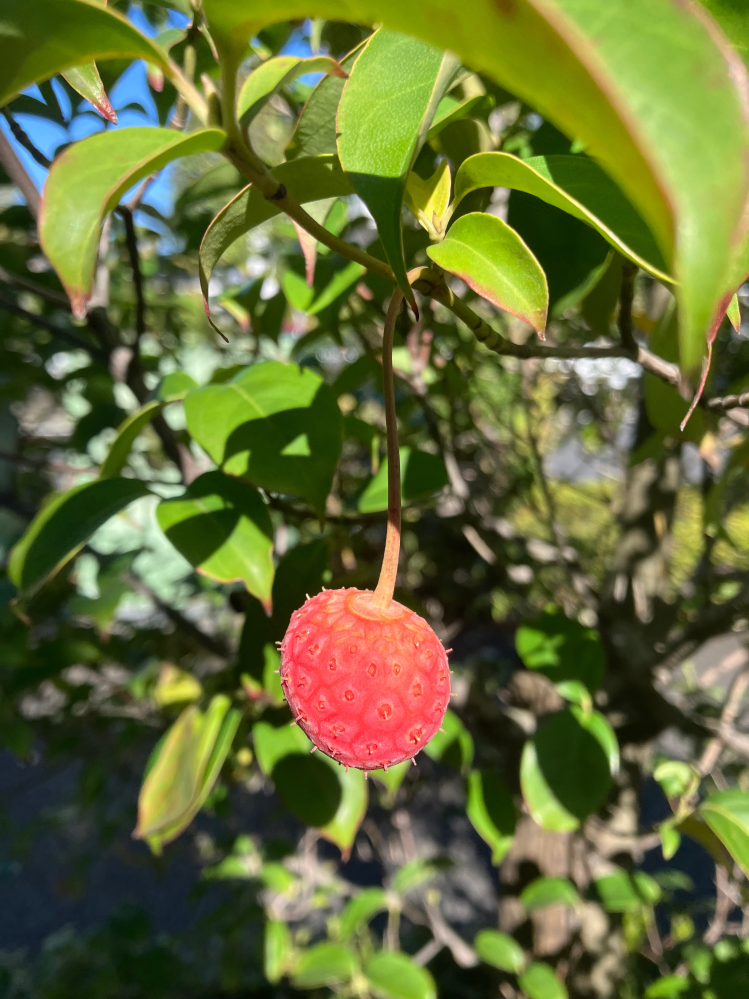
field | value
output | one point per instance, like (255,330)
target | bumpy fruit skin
(369,688)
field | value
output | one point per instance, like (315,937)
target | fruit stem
(383,594)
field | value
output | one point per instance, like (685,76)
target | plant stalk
(383,594)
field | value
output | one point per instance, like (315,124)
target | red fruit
(369,686)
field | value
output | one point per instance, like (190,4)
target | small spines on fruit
(369,687)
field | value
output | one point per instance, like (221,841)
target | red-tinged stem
(383,594)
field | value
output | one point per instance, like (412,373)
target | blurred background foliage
(586,563)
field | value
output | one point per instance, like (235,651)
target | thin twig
(131,242)
(22,139)
(626,297)
(728,716)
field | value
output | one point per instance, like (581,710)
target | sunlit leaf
(277,948)
(538,981)
(325,964)
(393,975)
(222,527)
(500,951)
(86,81)
(543,892)
(428,199)
(127,432)
(360,910)
(492,259)
(390,97)
(275,73)
(422,474)
(275,424)
(727,814)
(562,649)
(64,524)
(88,180)
(576,185)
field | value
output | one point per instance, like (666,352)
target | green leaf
(454,745)
(88,180)
(222,527)
(386,108)
(422,474)
(186,766)
(491,812)
(562,649)
(315,132)
(275,73)
(308,787)
(733,312)
(565,770)
(637,111)
(64,524)
(413,874)
(85,80)
(450,109)
(543,892)
(275,424)
(325,964)
(674,777)
(428,199)
(310,179)
(127,432)
(733,17)
(343,827)
(670,840)
(577,186)
(538,981)
(360,910)
(727,814)
(492,259)
(338,284)
(73,34)
(277,948)
(668,987)
(500,951)
(621,892)
(393,975)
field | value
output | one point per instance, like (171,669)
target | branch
(725,729)
(131,242)
(626,297)
(17,173)
(45,324)
(48,294)
(23,140)
(209,642)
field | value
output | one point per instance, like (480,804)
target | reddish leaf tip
(78,303)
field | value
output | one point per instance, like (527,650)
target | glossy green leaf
(543,892)
(222,527)
(73,34)
(422,474)
(500,951)
(64,524)
(733,17)
(85,80)
(562,649)
(454,745)
(339,283)
(186,766)
(273,744)
(670,840)
(275,424)
(325,964)
(393,975)
(88,180)
(564,771)
(666,119)
(386,108)
(360,910)
(576,185)
(492,259)
(127,432)
(727,814)
(275,73)
(309,179)
(451,109)
(491,812)
(315,131)
(538,981)
(277,948)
